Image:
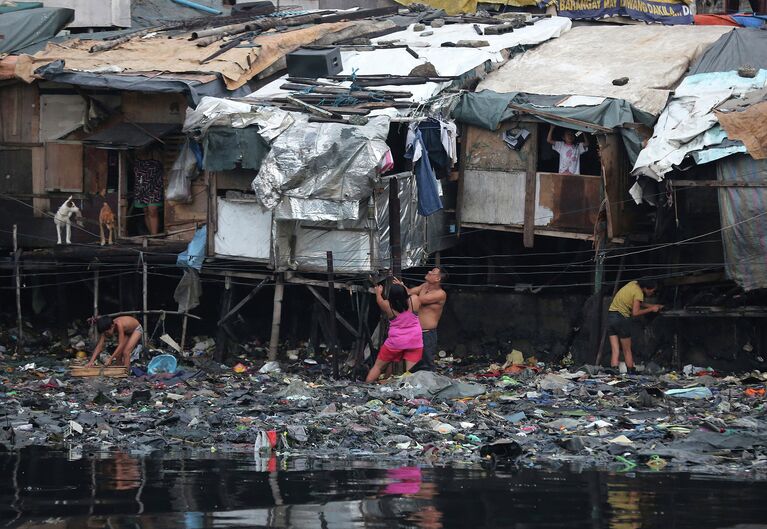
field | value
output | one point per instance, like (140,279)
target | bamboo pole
(274,341)
(17,275)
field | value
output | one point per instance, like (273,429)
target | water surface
(54,490)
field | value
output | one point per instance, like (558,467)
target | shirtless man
(432,300)
(129,332)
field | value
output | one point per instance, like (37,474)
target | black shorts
(618,325)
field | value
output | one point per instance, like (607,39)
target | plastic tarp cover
(194,255)
(180,176)
(570,63)
(744,221)
(320,171)
(210,111)
(688,124)
(738,47)
(303,245)
(487,109)
(226,147)
(412,225)
(749,127)
(188,291)
(194,90)
(30,26)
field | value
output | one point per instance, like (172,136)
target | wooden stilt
(274,341)
(94,333)
(145,282)
(333,315)
(222,335)
(185,321)
(17,278)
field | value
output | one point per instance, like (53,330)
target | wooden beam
(274,340)
(349,327)
(122,313)
(563,119)
(243,301)
(716,183)
(531,184)
(288,279)
(538,231)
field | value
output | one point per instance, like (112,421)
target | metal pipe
(199,7)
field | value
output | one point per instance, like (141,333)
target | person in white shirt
(569,151)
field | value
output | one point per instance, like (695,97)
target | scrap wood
(313,109)
(103,371)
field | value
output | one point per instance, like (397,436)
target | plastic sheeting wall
(745,210)
(412,225)
(244,230)
(303,245)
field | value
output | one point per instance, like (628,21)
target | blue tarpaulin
(194,255)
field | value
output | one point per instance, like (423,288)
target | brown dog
(106,218)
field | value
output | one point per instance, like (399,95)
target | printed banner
(663,12)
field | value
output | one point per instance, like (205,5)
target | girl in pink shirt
(405,339)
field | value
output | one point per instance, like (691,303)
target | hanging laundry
(431,134)
(428,189)
(449,135)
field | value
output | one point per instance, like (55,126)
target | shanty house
(510,178)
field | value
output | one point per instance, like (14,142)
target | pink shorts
(396,355)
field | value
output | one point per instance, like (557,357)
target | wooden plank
(538,231)
(612,180)
(139,107)
(40,205)
(64,167)
(493,197)
(530,150)
(20,111)
(716,183)
(212,180)
(567,201)
(110,371)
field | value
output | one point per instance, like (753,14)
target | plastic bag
(162,364)
(182,173)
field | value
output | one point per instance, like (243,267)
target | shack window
(573,152)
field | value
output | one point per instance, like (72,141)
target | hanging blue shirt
(428,193)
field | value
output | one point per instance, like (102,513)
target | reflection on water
(40,489)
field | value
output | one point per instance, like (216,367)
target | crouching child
(129,333)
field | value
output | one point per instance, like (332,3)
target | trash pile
(523,413)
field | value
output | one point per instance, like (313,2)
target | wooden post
(144,293)
(186,318)
(94,333)
(274,341)
(395,245)
(17,274)
(221,335)
(531,183)
(332,304)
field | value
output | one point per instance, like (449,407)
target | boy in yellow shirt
(628,303)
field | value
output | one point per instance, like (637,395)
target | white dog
(63,217)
